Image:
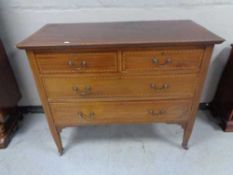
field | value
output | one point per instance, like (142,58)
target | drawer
(177,86)
(77,62)
(162,60)
(66,114)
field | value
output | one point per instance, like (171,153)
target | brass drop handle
(89,116)
(83,64)
(156,113)
(70,63)
(155,61)
(163,87)
(166,62)
(86,91)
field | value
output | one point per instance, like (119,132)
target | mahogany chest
(120,72)
(9,98)
(222,104)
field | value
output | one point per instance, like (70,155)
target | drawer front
(66,114)
(77,62)
(162,60)
(178,86)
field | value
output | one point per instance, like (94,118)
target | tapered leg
(187,133)
(57,138)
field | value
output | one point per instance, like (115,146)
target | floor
(119,150)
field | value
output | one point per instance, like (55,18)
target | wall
(19,18)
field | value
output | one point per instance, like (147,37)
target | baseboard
(39,109)
(31,109)
(204,106)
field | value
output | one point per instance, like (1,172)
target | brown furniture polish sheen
(120,72)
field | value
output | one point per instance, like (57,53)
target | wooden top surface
(112,34)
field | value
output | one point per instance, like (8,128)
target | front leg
(188,127)
(57,138)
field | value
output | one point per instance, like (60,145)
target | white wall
(20,18)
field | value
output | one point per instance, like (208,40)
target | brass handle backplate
(82,65)
(156,113)
(155,61)
(162,87)
(89,116)
(86,91)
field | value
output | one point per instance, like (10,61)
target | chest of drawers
(122,72)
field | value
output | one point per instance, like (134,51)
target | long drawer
(160,87)
(162,60)
(66,114)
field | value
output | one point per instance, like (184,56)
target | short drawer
(66,114)
(162,60)
(177,86)
(77,62)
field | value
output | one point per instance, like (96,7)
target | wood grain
(120,34)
